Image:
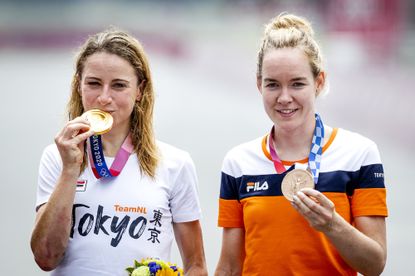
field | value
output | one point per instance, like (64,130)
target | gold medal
(101,121)
(296,180)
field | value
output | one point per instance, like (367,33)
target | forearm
(196,270)
(230,264)
(362,253)
(229,271)
(190,243)
(53,224)
(232,254)
(195,264)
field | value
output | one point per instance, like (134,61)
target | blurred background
(203,59)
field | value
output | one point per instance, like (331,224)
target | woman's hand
(71,142)
(316,208)
(362,246)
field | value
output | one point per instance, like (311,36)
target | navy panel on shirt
(260,185)
(370,176)
(229,189)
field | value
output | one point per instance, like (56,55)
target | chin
(287,125)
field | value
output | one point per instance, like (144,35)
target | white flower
(141,271)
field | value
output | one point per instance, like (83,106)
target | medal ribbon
(97,159)
(314,158)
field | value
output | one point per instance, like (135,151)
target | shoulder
(51,152)
(356,148)
(353,139)
(253,147)
(246,158)
(176,165)
(172,156)
(51,149)
(168,151)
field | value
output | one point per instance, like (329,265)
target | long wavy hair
(122,44)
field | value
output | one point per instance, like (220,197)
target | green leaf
(130,270)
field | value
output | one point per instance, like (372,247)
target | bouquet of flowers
(154,267)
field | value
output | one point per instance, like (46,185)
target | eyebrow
(123,80)
(91,78)
(269,80)
(294,79)
(299,79)
(114,80)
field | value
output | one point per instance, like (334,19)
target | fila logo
(81,185)
(256,186)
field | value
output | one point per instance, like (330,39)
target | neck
(113,140)
(294,144)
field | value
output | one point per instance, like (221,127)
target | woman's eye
(93,83)
(271,85)
(119,85)
(298,84)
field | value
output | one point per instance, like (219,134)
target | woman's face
(110,83)
(288,88)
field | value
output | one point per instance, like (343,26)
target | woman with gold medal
(109,193)
(306,199)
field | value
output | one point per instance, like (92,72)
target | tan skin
(189,241)
(232,254)
(289,90)
(108,83)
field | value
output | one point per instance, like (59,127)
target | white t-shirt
(124,218)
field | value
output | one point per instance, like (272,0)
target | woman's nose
(284,97)
(105,96)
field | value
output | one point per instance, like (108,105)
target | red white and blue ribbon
(97,158)
(314,158)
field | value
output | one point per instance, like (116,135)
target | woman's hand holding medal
(71,142)
(298,187)
(71,139)
(316,208)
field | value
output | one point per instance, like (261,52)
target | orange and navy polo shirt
(278,240)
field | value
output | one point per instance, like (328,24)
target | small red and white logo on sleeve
(81,185)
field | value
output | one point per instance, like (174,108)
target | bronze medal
(101,121)
(294,181)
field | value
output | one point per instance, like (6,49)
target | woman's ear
(259,83)
(140,90)
(78,85)
(320,81)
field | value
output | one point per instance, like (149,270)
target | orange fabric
(288,237)
(369,202)
(230,213)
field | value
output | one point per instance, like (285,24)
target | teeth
(286,111)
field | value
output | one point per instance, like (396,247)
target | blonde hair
(122,44)
(290,31)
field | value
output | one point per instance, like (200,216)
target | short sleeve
(49,169)
(230,208)
(184,202)
(369,196)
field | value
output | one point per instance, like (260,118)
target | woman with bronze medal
(305,199)
(109,193)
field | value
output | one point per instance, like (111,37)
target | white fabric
(115,219)
(348,152)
